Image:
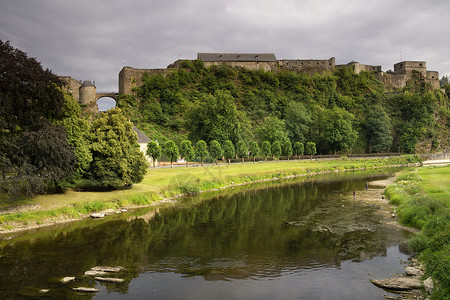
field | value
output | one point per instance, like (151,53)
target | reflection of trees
(32,263)
(237,234)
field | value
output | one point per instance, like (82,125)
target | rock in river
(398,283)
(411,271)
(107,269)
(94,273)
(110,280)
(85,289)
(97,215)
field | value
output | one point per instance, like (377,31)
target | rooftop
(211,57)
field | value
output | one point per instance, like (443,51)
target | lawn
(436,182)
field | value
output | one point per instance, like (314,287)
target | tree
(298,149)
(171,151)
(253,149)
(273,129)
(201,150)
(228,150)
(215,150)
(241,150)
(377,125)
(337,130)
(287,149)
(266,149)
(154,151)
(77,128)
(276,149)
(214,117)
(117,159)
(297,121)
(310,149)
(34,151)
(187,151)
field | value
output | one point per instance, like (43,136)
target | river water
(303,238)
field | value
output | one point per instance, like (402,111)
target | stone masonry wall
(130,77)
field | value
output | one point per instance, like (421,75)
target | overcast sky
(94,39)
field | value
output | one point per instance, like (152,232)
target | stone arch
(105,101)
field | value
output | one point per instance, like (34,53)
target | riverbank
(166,184)
(422,197)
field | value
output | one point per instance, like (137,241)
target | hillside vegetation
(342,112)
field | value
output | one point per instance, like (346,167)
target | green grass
(161,183)
(423,199)
(435,182)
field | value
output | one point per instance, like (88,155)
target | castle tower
(88,96)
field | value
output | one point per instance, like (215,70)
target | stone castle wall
(130,77)
(309,66)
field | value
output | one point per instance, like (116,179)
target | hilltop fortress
(130,77)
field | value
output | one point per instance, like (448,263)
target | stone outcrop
(398,283)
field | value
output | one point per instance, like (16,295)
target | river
(302,238)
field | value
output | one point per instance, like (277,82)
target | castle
(130,77)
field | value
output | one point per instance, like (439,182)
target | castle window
(420,64)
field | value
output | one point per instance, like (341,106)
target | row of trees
(227,150)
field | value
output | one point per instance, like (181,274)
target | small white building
(143,141)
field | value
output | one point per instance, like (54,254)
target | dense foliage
(34,151)
(117,159)
(341,112)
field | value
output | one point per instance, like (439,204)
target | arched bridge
(113,95)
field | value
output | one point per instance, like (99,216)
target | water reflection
(279,231)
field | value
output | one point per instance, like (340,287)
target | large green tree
(273,129)
(213,117)
(377,125)
(117,159)
(34,151)
(337,133)
(297,121)
(77,127)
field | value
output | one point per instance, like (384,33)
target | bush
(418,243)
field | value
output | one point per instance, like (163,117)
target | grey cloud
(93,40)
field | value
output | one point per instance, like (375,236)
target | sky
(94,39)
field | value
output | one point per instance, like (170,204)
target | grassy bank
(164,183)
(423,199)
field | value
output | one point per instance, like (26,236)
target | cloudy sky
(94,39)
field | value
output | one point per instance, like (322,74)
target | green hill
(342,112)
